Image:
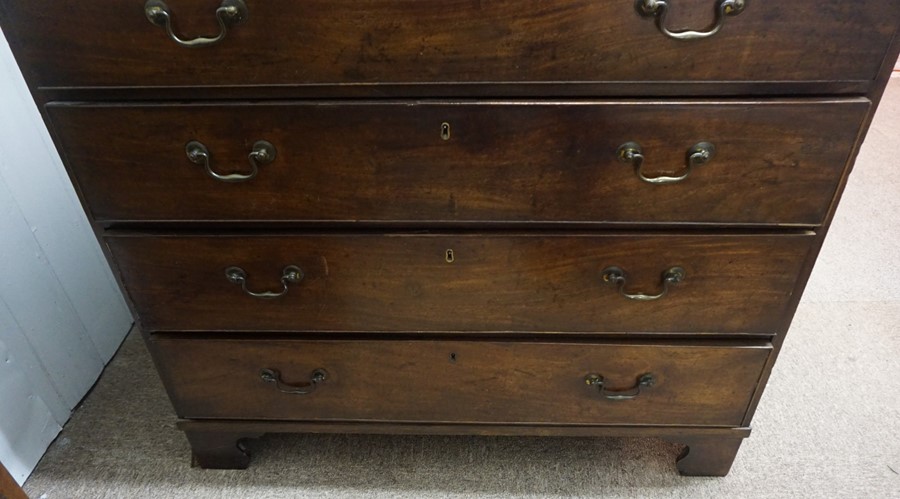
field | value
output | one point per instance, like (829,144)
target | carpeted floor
(828,425)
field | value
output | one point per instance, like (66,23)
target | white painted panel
(28,426)
(22,357)
(39,185)
(42,309)
(61,313)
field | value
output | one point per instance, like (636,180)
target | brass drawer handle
(291,274)
(631,152)
(273,376)
(230,13)
(643,381)
(659,9)
(262,153)
(615,276)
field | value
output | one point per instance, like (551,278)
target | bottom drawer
(461,381)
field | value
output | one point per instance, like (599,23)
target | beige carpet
(828,425)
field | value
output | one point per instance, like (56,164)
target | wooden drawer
(495,282)
(460,381)
(774,163)
(111,43)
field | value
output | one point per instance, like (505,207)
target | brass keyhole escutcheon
(445,131)
(449,256)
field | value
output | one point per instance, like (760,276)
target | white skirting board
(62,316)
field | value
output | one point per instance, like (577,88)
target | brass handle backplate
(273,376)
(631,152)
(646,380)
(615,276)
(291,274)
(659,8)
(262,153)
(230,13)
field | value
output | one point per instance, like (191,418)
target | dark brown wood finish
(874,95)
(461,381)
(402,282)
(707,446)
(487,91)
(706,455)
(69,52)
(675,433)
(775,162)
(9,489)
(396,41)
(220,450)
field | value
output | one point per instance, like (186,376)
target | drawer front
(405,283)
(460,381)
(105,43)
(771,163)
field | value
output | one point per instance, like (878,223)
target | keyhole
(449,256)
(445,130)
(453,357)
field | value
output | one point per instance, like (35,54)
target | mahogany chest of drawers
(570,217)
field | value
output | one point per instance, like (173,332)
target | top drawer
(112,43)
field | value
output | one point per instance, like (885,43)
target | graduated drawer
(461,381)
(468,282)
(112,43)
(772,162)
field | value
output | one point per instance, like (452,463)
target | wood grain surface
(412,41)
(460,381)
(776,162)
(497,282)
